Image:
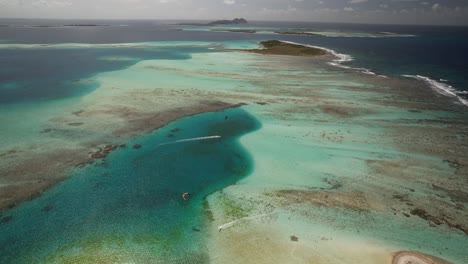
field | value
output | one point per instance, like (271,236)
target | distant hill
(235,21)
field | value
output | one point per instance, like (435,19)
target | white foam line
(230,224)
(441,88)
(190,139)
(340,58)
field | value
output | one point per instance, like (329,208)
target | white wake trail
(190,139)
(229,224)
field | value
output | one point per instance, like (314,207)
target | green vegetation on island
(298,33)
(235,21)
(250,31)
(276,47)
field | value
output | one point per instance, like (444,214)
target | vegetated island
(250,31)
(299,33)
(235,21)
(318,34)
(86,25)
(276,47)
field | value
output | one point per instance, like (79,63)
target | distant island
(251,31)
(299,33)
(235,21)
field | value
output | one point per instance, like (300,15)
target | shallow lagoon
(325,131)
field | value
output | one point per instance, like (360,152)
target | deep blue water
(45,74)
(132,200)
(435,52)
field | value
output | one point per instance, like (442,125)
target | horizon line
(197,19)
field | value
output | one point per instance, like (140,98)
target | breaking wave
(441,88)
(340,58)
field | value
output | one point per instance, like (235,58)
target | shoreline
(278,47)
(404,257)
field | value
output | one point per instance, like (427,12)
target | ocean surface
(436,52)
(133,196)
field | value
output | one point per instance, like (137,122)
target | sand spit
(408,257)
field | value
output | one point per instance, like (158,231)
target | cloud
(37,3)
(357,11)
(51,3)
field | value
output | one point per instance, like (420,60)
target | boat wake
(230,224)
(189,140)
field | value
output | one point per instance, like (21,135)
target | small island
(249,31)
(235,21)
(300,33)
(276,47)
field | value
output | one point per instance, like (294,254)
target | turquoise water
(129,207)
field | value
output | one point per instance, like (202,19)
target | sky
(453,12)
